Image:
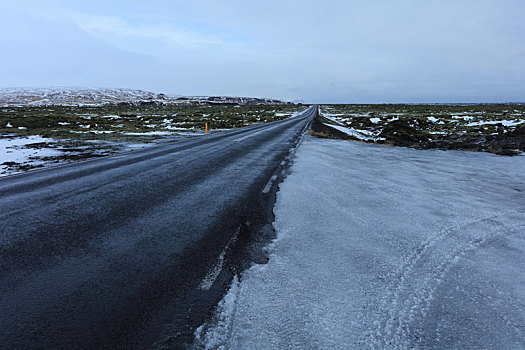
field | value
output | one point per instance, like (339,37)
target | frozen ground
(22,153)
(386,248)
(13,149)
(498,129)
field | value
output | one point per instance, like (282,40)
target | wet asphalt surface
(132,251)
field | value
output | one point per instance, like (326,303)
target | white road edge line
(214,272)
(268,186)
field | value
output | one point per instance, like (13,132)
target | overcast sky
(314,51)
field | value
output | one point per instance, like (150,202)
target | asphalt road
(132,250)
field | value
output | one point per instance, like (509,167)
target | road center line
(255,133)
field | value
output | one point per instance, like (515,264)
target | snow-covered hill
(72,96)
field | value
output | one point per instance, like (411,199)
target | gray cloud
(331,51)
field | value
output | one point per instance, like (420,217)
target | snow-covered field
(22,153)
(386,248)
(13,149)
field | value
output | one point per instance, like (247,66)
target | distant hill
(72,96)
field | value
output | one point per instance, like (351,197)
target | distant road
(124,251)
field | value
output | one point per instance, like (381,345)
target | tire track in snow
(413,285)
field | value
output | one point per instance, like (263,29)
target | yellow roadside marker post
(205,128)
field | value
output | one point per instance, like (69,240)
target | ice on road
(386,248)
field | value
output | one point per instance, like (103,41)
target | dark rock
(401,133)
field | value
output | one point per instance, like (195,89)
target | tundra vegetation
(496,128)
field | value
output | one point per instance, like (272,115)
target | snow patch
(364,135)
(214,335)
(14,149)
(493,122)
